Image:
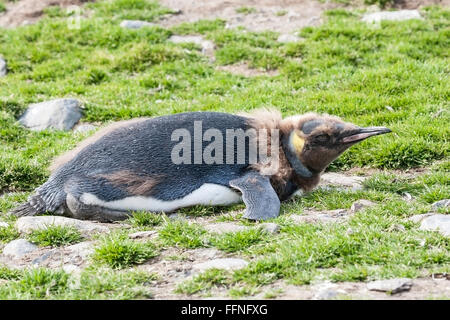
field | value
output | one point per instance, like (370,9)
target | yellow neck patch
(297,142)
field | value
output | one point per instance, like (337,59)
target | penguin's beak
(360,134)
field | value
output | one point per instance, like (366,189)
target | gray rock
(3,70)
(204,253)
(391,285)
(135,24)
(391,15)
(28,224)
(360,205)
(328,216)
(441,204)
(341,180)
(143,234)
(419,217)
(206,45)
(18,248)
(437,222)
(59,114)
(225,227)
(287,38)
(3,224)
(270,227)
(84,127)
(82,249)
(226,264)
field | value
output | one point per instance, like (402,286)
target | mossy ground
(394,74)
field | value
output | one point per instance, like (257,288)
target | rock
(225,227)
(327,216)
(341,180)
(287,38)
(135,24)
(143,234)
(391,285)
(3,224)
(204,253)
(226,264)
(419,217)
(437,222)
(18,248)
(3,70)
(71,268)
(441,204)
(59,114)
(360,205)
(28,224)
(391,15)
(325,291)
(206,45)
(270,227)
(82,249)
(84,127)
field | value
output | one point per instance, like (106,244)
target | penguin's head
(314,141)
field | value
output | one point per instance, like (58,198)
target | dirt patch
(243,69)
(414,4)
(276,15)
(29,11)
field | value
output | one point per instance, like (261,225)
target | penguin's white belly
(207,194)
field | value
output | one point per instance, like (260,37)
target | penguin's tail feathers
(35,205)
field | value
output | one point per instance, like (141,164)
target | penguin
(165,163)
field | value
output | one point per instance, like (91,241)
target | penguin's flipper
(259,197)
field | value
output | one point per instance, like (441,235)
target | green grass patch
(205,281)
(183,234)
(118,251)
(55,236)
(237,241)
(144,219)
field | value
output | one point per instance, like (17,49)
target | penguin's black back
(145,148)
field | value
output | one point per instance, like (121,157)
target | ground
(394,74)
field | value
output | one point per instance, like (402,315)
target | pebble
(59,114)
(441,204)
(135,24)
(18,248)
(3,70)
(226,264)
(361,204)
(391,285)
(391,15)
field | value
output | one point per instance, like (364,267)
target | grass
(118,252)
(183,234)
(343,67)
(55,236)
(142,219)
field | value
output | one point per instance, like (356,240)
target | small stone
(398,228)
(441,204)
(391,285)
(3,224)
(224,227)
(28,224)
(288,38)
(59,114)
(206,45)
(328,216)
(341,180)
(407,196)
(84,127)
(391,15)
(361,204)
(143,234)
(389,108)
(82,249)
(270,227)
(204,253)
(18,248)
(226,264)
(135,24)
(437,222)
(419,217)
(3,70)
(71,268)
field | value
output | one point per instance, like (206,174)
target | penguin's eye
(322,138)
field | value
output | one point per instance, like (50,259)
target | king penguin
(159,164)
